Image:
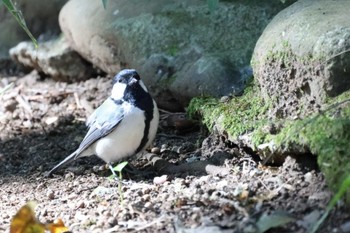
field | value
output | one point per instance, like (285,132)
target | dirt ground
(212,185)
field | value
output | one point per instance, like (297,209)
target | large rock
(41,19)
(53,58)
(303,56)
(180,48)
(302,63)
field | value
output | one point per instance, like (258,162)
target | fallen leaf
(57,226)
(25,221)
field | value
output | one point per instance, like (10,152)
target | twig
(25,104)
(77,100)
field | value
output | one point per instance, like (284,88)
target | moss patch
(237,116)
(326,134)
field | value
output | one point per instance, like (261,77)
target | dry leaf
(57,226)
(25,221)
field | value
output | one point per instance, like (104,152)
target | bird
(123,125)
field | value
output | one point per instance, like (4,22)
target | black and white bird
(124,125)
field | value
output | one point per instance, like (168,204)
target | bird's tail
(67,160)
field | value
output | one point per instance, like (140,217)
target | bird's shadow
(36,152)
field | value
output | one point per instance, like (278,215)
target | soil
(207,185)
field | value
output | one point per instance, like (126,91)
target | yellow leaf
(25,221)
(57,226)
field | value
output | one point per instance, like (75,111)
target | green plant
(20,19)
(6,88)
(104,3)
(341,192)
(119,169)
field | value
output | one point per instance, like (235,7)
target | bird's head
(126,80)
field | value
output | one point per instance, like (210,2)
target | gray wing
(102,121)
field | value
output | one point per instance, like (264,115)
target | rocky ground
(190,181)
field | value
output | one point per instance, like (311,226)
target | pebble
(27,124)
(81,204)
(112,221)
(146,191)
(138,193)
(345,227)
(195,217)
(308,177)
(160,180)
(148,205)
(177,149)
(50,194)
(127,216)
(163,148)
(224,99)
(11,105)
(155,150)
(146,197)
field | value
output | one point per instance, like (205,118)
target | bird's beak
(132,81)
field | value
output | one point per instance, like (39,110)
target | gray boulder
(53,58)
(181,49)
(303,57)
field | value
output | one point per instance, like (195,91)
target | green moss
(172,50)
(238,116)
(283,54)
(325,134)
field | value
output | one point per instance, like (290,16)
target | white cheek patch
(118,91)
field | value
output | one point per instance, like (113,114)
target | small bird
(125,124)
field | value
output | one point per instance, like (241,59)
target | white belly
(124,140)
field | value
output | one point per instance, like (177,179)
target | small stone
(148,205)
(195,217)
(163,148)
(224,99)
(308,177)
(27,124)
(112,221)
(146,197)
(50,194)
(44,212)
(160,180)
(126,216)
(146,191)
(177,149)
(139,193)
(155,150)
(11,105)
(81,204)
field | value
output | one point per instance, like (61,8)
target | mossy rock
(302,57)
(245,120)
